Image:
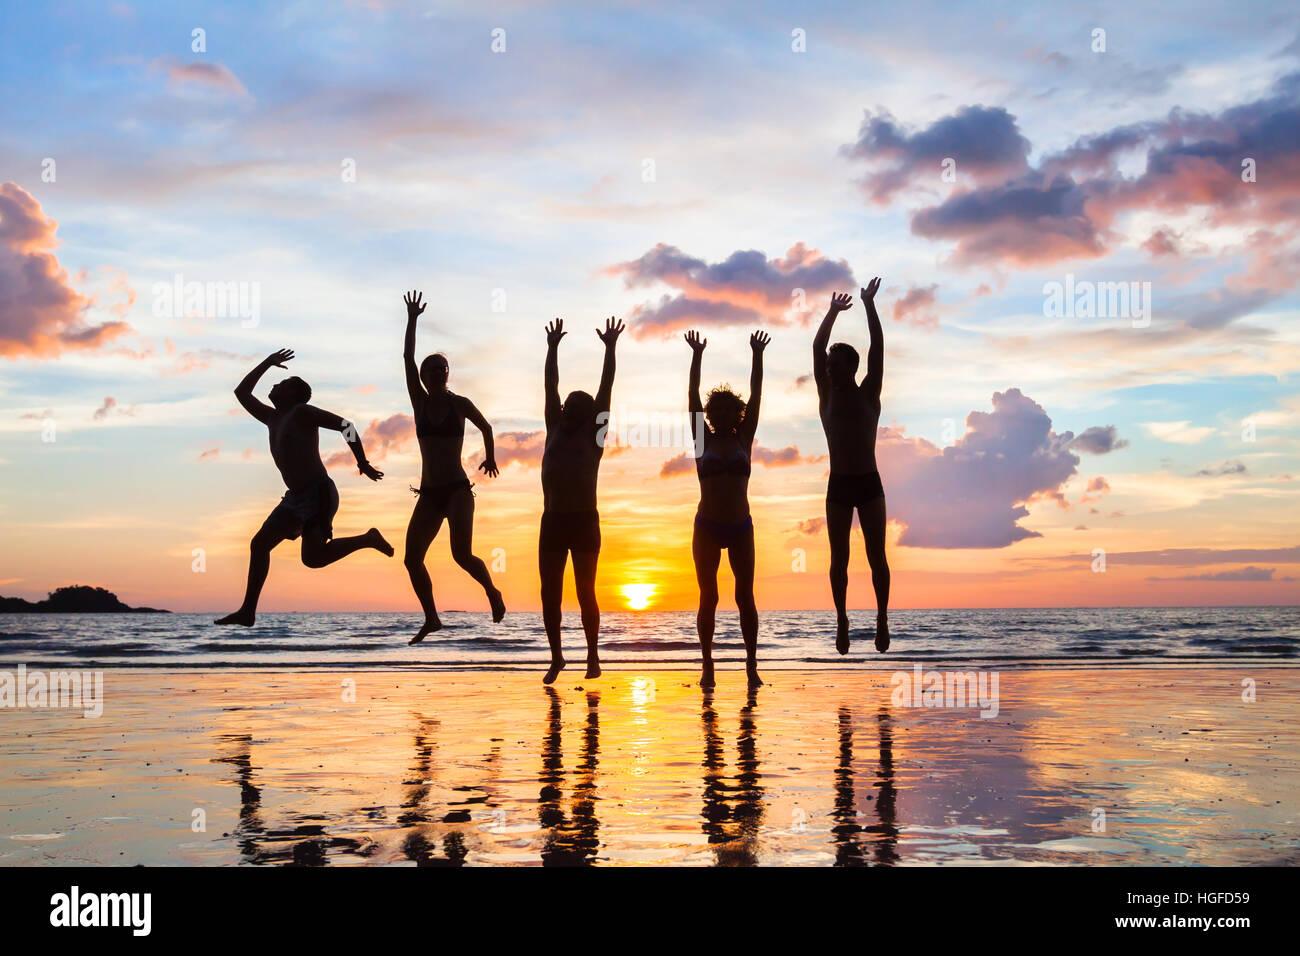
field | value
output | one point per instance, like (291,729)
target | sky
(1086,220)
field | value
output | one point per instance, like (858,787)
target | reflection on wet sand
(641,768)
(573,839)
(849,849)
(733,810)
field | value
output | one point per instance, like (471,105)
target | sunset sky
(721,170)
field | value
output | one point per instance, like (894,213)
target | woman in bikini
(723,430)
(445,491)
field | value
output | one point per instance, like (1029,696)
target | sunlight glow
(638,595)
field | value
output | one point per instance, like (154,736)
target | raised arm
(839,302)
(335,423)
(473,415)
(554,332)
(757,342)
(604,395)
(244,390)
(693,403)
(414,388)
(876,354)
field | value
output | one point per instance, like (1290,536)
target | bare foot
(706,676)
(593,669)
(380,543)
(554,672)
(498,606)
(241,616)
(882,633)
(751,671)
(842,634)
(430,625)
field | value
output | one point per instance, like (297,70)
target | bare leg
(707,557)
(426,520)
(584,578)
(460,522)
(550,565)
(319,553)
(741,557)
(873,530)
(839,522)
(259,564)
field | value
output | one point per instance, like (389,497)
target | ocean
(1005,637)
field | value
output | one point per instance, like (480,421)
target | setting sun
(638,595)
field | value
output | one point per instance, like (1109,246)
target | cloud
(41,314)
(984,142)
(1248,573)
(110,407)
(1185,557)
(810,526)
(1099,440)
(684,463)
(1068,205)
(916,307)
(210,454)
(972,494)
(523,447)
(378,438)
(1232,467)
(1180,433)
(745,288)
(209,75)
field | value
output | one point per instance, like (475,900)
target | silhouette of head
(289,392)
(434,371)
(578,409)
(842,362)
(724,410)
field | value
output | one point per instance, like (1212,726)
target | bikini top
(451,426)
(736,463)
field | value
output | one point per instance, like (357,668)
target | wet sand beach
(1081,765)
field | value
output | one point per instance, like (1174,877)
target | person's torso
(570,469)
(295,449)
(850,419)
(723,469)
(440,430)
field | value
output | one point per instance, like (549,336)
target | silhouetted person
(722,520)
(445,491)
(850,414)
(308,507)
(575,443)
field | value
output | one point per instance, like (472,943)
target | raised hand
(842,300)
(369,471)
(279,358)
(758,341)
(869,293)
(489,466)
(555,332)
(613,328)
(695,342)
(414,307)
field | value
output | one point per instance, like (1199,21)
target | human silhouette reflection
(306,844)
(421,844)
(851,849)
(733,808)
(572,839)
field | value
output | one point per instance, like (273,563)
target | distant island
(72,600)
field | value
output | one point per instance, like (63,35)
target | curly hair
(721,401)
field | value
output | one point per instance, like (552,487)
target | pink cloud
(41,314)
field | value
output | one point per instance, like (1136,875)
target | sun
(638,595)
